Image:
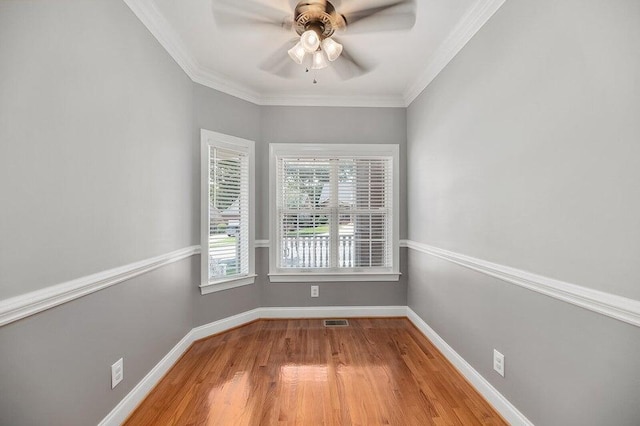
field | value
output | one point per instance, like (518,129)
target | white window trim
(210,138)
(284,277)
(277,150)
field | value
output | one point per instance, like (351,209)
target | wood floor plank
(376,371)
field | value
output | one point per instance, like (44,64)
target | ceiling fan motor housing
(319,16)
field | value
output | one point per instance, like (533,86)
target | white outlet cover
(117,373)
(498,362)
(315,291)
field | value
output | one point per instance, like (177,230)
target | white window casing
(334,212)
(227,215)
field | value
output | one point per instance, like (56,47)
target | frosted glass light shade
(310,41)
(319,61)
(332,48)
(297,53)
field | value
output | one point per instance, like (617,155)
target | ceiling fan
(316,22)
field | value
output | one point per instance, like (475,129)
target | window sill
(227,284)
(332,277)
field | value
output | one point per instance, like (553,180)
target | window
(334,212)
(227,212)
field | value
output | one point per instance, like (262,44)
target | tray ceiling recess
(368,53)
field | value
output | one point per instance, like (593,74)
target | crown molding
(612,305)
(334,101)
(150,16)
(453,44)
(224,85)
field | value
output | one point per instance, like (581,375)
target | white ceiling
(229,58)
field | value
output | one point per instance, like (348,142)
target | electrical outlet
(498,362)
(315,291)
(117,373)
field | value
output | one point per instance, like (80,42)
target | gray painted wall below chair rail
(391,293)
(564,365)
(55,367)
(524,152)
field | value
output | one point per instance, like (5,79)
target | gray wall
(393,293)
(222,113)
(99,167)
(97,156)
(268,124)
(95,159)
(55,367)
(328,125)
(564,365)
(524,152)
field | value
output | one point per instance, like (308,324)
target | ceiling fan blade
(347,66)
(233,13)
(243,23)
(393,16)
(279,63)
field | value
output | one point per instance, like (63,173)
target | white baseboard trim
(224,324)
(31,303)
(491,394)
(333,311)
(120,413)
(611,305)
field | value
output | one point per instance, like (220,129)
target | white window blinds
(334,213)
(228,223)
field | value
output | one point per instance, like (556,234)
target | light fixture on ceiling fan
(316,22)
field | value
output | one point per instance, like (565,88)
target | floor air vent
(336,323)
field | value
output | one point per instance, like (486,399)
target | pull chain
(315,81)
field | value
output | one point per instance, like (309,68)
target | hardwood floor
(297,372)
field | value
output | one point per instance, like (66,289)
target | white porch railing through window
(313,251)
